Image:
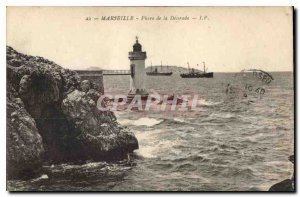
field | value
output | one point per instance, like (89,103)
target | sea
(239,139)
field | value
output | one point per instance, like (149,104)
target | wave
(193,158)
(154,150)
(210,121)
(42,177)
(151,145)
(179,120)
(149,122)
(239,172)
(223,116)
(203,102)
(89,170)
(146,143)
(161,166)
(140,122)
(186,166)
(174,121)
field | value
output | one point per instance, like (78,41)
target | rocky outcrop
(283,186)
(97,130)
(287,184)
(57,114)
(24,143)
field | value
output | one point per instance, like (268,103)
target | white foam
(222,115)
(146,151)
(151,145)
(44,176)
(140,122)
(148,136)
(228,115)
(179,120)
(203,102)
(147,141)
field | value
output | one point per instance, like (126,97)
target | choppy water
(233,143)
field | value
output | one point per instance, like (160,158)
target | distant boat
(155,72)
(196,74)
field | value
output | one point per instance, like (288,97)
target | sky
(228,40)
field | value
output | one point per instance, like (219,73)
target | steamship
(155,72)
(196,74)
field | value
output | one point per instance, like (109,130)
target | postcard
(150,99)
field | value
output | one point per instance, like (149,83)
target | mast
(151,66)
(188,66)
(160,65)
(204,67)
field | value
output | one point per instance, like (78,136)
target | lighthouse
(137,68)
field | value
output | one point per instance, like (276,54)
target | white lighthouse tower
(137,67)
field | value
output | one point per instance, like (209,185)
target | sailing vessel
(197,74)
(155,72)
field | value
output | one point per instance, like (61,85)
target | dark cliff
(287,185)
(52,117)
